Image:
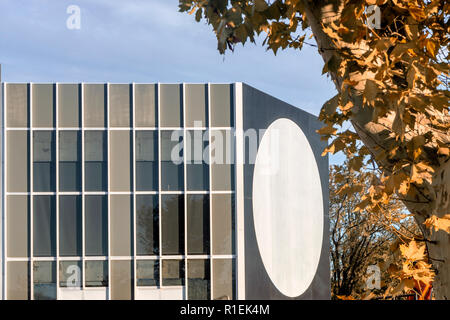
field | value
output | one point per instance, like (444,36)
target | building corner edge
(239,200)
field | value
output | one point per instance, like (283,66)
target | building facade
(142,191)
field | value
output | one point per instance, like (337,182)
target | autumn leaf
(260,5)
(345,298)
(412,251)
(438,223)
(328,130)
(417,13)
(370,91)
(431,48)
(397,70)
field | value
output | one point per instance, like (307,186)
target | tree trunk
(372,134)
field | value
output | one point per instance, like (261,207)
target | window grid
(82,193)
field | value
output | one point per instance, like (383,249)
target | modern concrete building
(160,191)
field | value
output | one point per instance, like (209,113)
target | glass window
(18,226)
(172,224)
(95,156)
(223,237)
(147,272)
(197,159)
(119,105)
(44,280)
(70,274)
(96,226)
(44,226)
(147,225)
(198,223)
(145,105)
(69,161)
(94,105)
(69,105)
(120,160)
(173,272)
(199,285)
(122,281)
(96,273)
(121,224)
(171,105)
(17,280)
(44,161)
(43,105)
(222,159)
(196,105)
(18,166)
(224,279)
(221,105)
(70,226)
(17,105)
(172,172)
(146,160)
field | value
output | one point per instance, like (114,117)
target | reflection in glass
(146,160)
(172,224)
(96,273)
(172,173)
(147,225)
(95,156)
(147,272)
(96,226)
(199,287)
(198,223)
(44,280)
(44,226)
(43,161)
(69,161)
(173,272)
(70,226)
(197,159)
(70,274)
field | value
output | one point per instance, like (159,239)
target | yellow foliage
(392,83)
(438,223)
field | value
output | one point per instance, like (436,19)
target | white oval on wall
(288,207)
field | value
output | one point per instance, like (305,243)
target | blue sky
(145,41)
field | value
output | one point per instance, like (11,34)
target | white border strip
(239,197)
